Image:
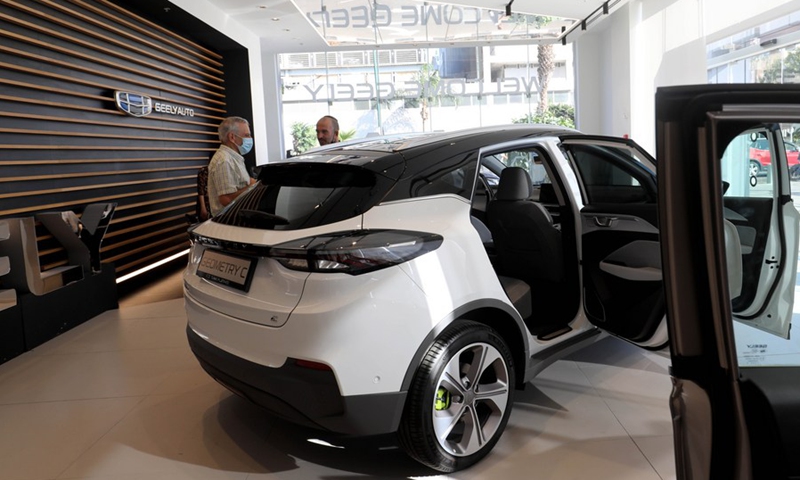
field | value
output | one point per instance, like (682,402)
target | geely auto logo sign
(140,105)
(133,103)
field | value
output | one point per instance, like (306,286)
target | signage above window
(412,22)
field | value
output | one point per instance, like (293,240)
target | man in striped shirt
(227,174)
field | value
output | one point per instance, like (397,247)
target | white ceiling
(283,28)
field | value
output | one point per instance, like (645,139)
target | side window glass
(610,175)
(456,176)
(530,159)
(761,246)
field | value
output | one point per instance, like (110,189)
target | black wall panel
(63,142)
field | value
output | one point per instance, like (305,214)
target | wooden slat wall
(64,144)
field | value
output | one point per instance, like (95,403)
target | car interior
(748,207)
(522,224)
(525,209)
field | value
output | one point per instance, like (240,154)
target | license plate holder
(235,271)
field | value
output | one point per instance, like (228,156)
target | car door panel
(639,261)
(752,225)
(634,218)
(627,306)
(620,259)
(743,372)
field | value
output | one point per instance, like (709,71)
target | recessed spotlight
(276,19)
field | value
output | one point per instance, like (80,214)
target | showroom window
(767,53)
(418,90)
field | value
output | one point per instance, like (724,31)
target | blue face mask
(246,146)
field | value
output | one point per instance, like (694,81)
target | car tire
(466,378)
(755,168)
(794,173)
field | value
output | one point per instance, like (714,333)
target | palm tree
(347,134)
(545,57)
(544,70)
(428,79)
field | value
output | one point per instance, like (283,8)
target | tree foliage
(303,137)
(347,134)
(786,73)
(558,114)
(428,79)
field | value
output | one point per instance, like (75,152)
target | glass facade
(768,53)
(375,92)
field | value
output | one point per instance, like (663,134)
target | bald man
(327,130)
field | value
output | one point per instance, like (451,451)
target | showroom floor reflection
(121,398)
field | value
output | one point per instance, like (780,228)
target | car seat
(527,244)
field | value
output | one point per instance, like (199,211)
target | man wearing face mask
(227,174)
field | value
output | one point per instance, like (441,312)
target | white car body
(372,331)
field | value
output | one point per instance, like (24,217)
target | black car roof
(380,153)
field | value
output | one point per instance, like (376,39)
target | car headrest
(515,184)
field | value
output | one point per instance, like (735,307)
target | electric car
(412,284)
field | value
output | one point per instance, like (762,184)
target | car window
(611,175)
(293,196)
(532,160)
(528,159)
(759,228)
(426,175)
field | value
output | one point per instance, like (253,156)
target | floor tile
(110,334)
(121,397)
(660,452)
(604,458)
(40,440)
(91,375)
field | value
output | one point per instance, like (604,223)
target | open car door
(619,249)
(729,241)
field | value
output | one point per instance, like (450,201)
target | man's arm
(226,199)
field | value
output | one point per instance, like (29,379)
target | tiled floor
(122,398)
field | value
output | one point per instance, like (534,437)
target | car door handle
(605,221)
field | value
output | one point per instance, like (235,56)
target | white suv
(412,284)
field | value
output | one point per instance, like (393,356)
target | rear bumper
(300,395)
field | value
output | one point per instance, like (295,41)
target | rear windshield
(305,195)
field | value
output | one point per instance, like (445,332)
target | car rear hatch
(232,268)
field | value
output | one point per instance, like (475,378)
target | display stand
(37,305)
(47,316)
(12,340)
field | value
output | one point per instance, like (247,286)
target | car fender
(494,313)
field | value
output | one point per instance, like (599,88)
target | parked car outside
(411,285)
(761,158)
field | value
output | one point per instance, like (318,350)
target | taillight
(355,252)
